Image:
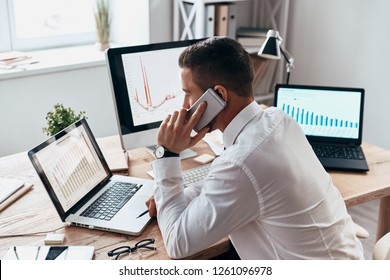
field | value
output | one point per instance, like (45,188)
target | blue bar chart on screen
(318,114)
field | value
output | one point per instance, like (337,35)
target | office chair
(382,248)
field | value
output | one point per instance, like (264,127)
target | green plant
(60,118)
(103,21)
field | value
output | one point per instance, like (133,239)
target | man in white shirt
(267,191)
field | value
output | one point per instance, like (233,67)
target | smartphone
(215,104)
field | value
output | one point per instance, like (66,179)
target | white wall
(129,22)
(345,43)
(141,22)
(334,42)
(25,101)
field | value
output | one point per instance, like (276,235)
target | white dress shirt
(267,191)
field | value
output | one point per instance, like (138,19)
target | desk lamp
(272,48)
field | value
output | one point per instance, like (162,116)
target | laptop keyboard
(346,152)
(111,201)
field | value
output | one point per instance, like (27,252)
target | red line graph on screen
(149,103)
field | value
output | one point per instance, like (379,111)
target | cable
(39,233)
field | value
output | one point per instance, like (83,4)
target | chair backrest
(382,248)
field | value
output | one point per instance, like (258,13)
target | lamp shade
(271,47)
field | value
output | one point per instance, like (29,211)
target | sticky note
(204,158)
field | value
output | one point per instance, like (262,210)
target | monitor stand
(188,153)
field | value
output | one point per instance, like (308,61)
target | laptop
(332,120)
(76,176)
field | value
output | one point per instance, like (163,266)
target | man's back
(301,215)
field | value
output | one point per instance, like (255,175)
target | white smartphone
(215,104)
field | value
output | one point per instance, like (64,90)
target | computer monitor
(146,87)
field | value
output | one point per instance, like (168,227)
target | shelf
(191,22)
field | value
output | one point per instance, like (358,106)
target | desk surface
(27,221)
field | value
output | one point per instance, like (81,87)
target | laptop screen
(70,164)
(330,112)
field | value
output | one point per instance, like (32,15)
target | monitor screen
(146,87)
(323,112)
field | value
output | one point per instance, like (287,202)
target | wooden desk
(34,212)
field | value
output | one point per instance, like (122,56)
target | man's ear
(222,92)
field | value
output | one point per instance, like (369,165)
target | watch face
(159,152)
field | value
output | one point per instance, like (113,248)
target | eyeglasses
(141,247)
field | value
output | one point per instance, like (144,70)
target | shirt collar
(239,122)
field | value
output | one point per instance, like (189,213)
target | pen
(143,213)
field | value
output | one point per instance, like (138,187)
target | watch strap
(170,154)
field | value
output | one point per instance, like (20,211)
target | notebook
(332,120)
(75,174)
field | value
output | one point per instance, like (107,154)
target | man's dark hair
(219,60)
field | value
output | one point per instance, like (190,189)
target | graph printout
(153,84)
(323,112)
(71,166)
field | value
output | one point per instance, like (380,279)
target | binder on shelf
(225,20)
(209,20)
(221,19)
(232,21)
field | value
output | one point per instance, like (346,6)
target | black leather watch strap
(170,154)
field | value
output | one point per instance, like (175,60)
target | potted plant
(103,21)
(60,118)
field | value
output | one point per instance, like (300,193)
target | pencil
(142,214)
(15,196)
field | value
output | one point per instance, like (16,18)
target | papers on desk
(15,60)
(50,253)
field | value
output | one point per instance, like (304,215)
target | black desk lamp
(272,48)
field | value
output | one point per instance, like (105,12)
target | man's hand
(175,131)
(151,204)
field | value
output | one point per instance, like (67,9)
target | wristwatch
(161,152)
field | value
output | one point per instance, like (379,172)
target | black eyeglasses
(139,247)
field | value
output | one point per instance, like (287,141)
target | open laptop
(75,174)
(332,120)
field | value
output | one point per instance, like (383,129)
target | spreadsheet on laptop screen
(72,167)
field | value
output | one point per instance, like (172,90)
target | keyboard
(347,152)
(195,174)
(111,201)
